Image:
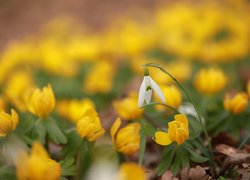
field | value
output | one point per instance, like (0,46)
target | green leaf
(177,162)
(68,167)
(73,144)
(54,132)
(147,129)
(142,148)
(41,132)
(166,162)
(196,157)
(184,157)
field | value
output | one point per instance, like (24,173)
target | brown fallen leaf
(197,173)
(168,175)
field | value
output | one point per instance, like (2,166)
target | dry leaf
(168,175)
(197,173)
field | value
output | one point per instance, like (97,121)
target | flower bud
(89,126)
(237,103)
(126,139)
(41,102)
(8,122)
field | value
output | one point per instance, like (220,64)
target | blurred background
(91,52)
(95,48)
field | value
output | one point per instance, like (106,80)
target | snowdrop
(145,92)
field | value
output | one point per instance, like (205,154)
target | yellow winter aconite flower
(131,171)
(89,126)
(73,109)
(17,89)
(37,165)
(177,131)
(100,78)
(237,103)
(2,102)
(8,122)
(173,96)
(41,102)
(127,108)
(126,139)
(209,81)
(248,88)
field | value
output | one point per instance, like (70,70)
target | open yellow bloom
(37,165)
(2,102)
(237,103)
(209,81)
(8,122)
(41,102)
(74,109)
(89,126)
(177,131)
(173,96)
(131,171)
(127,108)
(127,139)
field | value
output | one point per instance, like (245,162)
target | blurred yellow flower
(17,89)
(37,165)
(73,109)
(127,108)
(237,103)
(41,102)
(248,88)
(89,126)
(2,102)
(8,122)
(100,78)
(54,59)
(177,131)
(131,171)
(127,139)
(173,96)
(209,81)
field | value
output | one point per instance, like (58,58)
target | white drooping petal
(142,93)
(148,95)
(157,89)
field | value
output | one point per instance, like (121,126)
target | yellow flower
(37,165)
(210,81)
(8,122)
(100,78)
(73,109)
(17,89)
(173,96)
(89,126)
(127,139)
(127,108)
(41,102)
(248,88)
(177,131)
(237,103)
(131,171)
(2,102)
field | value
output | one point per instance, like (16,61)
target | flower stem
(158,103)
(191,100)
(244,141)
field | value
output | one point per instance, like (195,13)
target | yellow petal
(181,118)
(162,138)
(115,128)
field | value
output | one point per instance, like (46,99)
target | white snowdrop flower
(147,86)
(188,109)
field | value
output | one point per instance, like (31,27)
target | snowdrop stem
(190,99)
(157,103)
